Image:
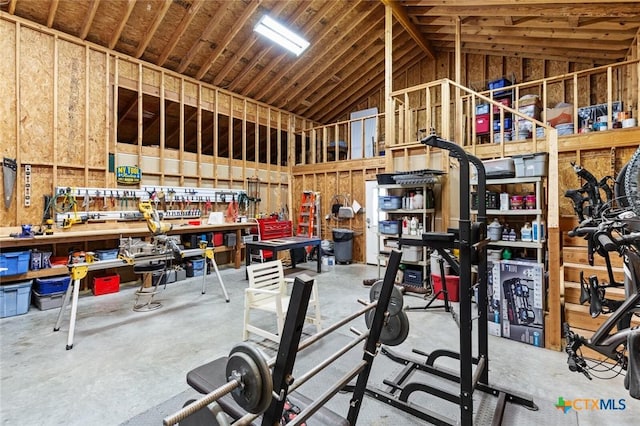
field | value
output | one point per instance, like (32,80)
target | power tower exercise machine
(470,239)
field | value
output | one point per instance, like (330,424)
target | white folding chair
(268,291)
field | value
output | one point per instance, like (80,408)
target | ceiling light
(280,34)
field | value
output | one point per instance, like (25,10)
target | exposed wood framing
(123,21)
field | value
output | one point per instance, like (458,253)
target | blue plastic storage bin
(107,254)
(51,285)
(390,202)
(16,262)
(15,298)
(496,124)
(389,227)
(198,264)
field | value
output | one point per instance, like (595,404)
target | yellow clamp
(79,272)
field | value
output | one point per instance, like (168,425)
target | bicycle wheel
(632,182)
(619,192)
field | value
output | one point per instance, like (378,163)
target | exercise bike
(622,346)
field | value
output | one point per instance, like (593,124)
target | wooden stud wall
(58,115)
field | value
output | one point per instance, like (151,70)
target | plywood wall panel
(495,67)
(8,88)
(71,104)
(127,70)
(41,178)
(98,156)
(36,96)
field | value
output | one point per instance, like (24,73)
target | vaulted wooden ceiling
(214,41)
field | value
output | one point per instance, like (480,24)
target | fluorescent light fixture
(275,31)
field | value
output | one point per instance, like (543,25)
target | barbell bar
(248,373)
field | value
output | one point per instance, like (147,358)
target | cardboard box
(528,100)
(522,301)
(493,299)
(561,114)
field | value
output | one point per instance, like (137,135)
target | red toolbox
(482,124)
(106,284)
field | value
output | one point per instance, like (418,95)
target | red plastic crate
(482,123)
(453,286)
(218,238)
(105,285)
(503,101)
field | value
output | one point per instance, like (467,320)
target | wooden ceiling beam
(504,3)
(401,15)
(180,30)
(148,35)
(88,19)
(532,52)
(363,92)
(262,76)
(551,9)
(602,24)
(328,50)
(222,45)
(248,44)
(358,69)
(123,21)
(546,43)
(255,61)
(507,34)
(12,7)
(206,33)
(133,104)
(360,76)
(53,8)
(365,48)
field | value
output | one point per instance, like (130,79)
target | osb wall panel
(97,110)
(41,178)
(7,84)
(36,96)
(71,104)
(128,70)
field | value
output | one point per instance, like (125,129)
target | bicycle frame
(602,341)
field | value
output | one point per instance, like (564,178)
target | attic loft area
(280,34)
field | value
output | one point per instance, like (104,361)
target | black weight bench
(211,376)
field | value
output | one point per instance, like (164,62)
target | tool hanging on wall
(9,168)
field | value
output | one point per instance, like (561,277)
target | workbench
(106,231)
(284,243)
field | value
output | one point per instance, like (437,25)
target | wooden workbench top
(106,231)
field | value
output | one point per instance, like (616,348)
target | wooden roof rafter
(88,20)
(248,43)
(327,51)
(306,30)
(53,7)
(157,20)
(180,30)
(123,21)
(254,62)
(239,23)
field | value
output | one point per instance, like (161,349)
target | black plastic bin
(343,245)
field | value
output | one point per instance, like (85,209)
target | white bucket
(435,264)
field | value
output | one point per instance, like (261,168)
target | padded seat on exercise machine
(210,376)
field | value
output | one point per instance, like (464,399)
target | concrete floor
(124,363)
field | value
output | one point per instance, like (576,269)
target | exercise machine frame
(471,242)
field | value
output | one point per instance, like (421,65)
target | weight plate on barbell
(249,364)
(396,329)
(395,302)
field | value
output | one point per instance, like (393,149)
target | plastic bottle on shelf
(411,206)
(538,230)
(418,199)
(512,235)
(526,233)
(505,232)
(413,226)
(405,225)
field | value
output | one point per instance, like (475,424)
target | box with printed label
(493,299)
(523,299)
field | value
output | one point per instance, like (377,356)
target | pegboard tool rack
(109,198)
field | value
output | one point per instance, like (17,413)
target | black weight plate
(395,303)
(257,384)
(395,331)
